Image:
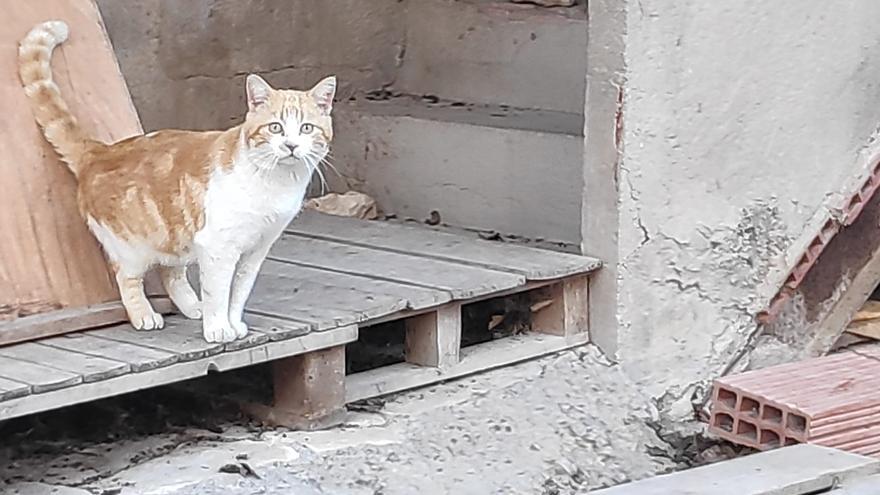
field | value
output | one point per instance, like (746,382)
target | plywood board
(48,259)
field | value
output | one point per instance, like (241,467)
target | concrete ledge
(515,172)
(796,470)
(494,51)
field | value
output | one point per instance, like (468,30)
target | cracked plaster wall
(739,122)
(185,60)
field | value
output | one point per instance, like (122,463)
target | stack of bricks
(832,401)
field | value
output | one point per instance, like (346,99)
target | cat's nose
(289,148)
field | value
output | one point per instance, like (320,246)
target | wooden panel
(461,281)
(41,378)
(309,391)
(91,368)
(181,371)
(562,308)
(48,259)
(481,357)
(69,320)
(10,389)
(276,328)
(434,338)
(140,358)
(279,292)
(534,264)
(180,336)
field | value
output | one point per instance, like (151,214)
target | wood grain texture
(461,281)
(48,258)
(70,320)
(434,338)
(41,378)
(91,368)
(138,357)
(534,264)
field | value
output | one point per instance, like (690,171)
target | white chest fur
(245,205)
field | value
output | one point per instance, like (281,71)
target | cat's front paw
(220,333)
(147,320)
(241,329)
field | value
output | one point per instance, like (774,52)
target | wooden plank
(48,258)
(434,338)
(138,357)
(91,368)
(70,320)
(461,281)
(180,336)
(866,328)
(309,391)
(276,329)
(280,293)
(175,373)
(417,297)
(532,263)
(482,357)
(11,389)
(869,311)
(562,308)
(40,378)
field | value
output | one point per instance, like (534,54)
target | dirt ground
(558,425)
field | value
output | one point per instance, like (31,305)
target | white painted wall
(740,119)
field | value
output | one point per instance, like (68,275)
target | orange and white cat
(171,198)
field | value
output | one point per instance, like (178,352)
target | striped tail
(50,110)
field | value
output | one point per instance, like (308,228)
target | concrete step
(496,52)
(797,470)
(486,167)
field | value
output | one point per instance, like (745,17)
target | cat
(171,198)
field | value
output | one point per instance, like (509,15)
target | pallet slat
(280,293)
(180,336)
(140,358)
(39,377)
(461,281)
(90,368)
(534,264)
(10,389)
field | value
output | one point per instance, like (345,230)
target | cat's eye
(276,128)
(306,129)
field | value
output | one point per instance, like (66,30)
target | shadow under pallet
(326,280)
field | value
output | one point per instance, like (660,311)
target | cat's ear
(258,91)
(323,94)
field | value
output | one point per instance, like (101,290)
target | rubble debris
(351,204)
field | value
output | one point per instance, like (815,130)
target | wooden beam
(562,308)
(434,339)
(309,391)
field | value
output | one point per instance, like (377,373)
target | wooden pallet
(326,278)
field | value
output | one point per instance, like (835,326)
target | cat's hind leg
(131,289)
(180,291)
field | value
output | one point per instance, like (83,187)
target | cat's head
(282,124)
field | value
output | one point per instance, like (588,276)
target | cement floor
(562,424)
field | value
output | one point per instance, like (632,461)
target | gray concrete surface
(185,60)
(559,425)
(796,470)
(740,126)
(495,51)
(479,167)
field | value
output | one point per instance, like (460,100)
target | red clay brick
(832,401)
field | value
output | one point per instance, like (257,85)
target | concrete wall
(185,60)
(185,63)
(739,123)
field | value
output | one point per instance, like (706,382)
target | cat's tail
(50,110)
